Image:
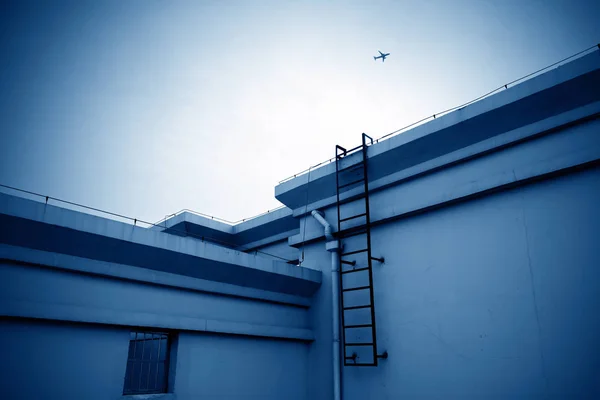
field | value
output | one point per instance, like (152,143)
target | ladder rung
(355,270)
(358,326)
(352,233)
(354,252)
(358,344)
(355,364)
(356,307)
(353,217)
(352,183)
(356,288)
(348,152)
(350,167)
(348,262)
(354,149)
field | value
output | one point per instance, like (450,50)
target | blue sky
(147,107)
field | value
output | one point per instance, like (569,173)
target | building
(484,279)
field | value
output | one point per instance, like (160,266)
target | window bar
(157,363)
(165,363)
(155,360)
(142,361)
(150,361)
(133,362)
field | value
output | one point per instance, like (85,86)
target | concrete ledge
(86,314)
(262,220)
(549,154)
(39,226)
(132,273)
(476,150)
(531,87)
(556,92)
(259,229)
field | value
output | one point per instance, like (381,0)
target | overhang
(29,224)
(569,87)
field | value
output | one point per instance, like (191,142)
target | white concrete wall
(493,298)
(47,360)
(40,292)
(51,360)
(77,349)
(491,284)
(228,368)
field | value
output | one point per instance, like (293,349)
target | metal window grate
(147,363)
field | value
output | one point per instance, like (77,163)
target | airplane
(382,56)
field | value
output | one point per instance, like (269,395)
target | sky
(144,108)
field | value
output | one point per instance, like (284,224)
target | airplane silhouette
(382,56)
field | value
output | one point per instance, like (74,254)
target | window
(147,363)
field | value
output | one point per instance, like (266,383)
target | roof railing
(434,116)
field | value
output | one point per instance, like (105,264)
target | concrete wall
(51,229)
(494,298)
(491,284)
(93,301)
(67,337)
(73,286)
(50,360)
(42,360)
(40,292)
(227,368)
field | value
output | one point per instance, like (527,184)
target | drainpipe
(333,246)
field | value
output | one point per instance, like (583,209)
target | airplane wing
(380,52)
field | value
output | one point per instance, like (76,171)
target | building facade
(485,284)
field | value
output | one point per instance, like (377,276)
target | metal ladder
(359,334)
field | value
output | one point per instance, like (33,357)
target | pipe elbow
(328,230)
